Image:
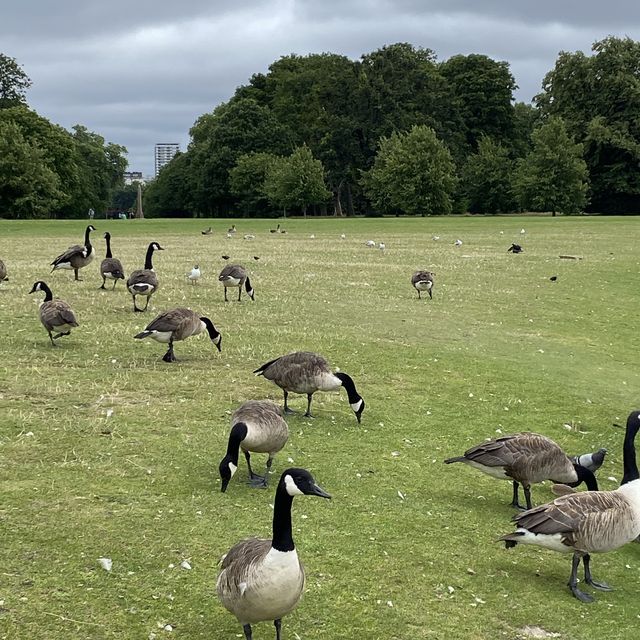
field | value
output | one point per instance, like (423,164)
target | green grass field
(106,451)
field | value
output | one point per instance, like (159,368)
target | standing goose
(306,372)
(110,267)
(423,281)
(587,522)
(179,324)
(144,282)
(256,426)
(276,230)
(77,256)
(207,232)
(3,272)
(55,315)
(526,458)
(263,579)
(235,275)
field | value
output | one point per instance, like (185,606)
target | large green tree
(247,181)
(553,177)
(170,194)
(598,97)
(413,173)
(14,83)
(296,181)
(487,178)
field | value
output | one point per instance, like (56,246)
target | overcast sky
(141,71)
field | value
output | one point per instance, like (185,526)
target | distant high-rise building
(164,153)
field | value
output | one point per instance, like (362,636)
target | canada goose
(423,281)
(526,458)
(235,275)
(3,272)
(276,230)
(232,229)
(77,256)
(587,522)
(110,267)
(263,579)
(514,248)
(195,274)
(306,372)
(179,324)
(207,232)
(55,315)
(144,282)
(257,426)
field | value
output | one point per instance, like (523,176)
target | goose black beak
(225,484)
(316,490)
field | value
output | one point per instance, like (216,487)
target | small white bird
(343,236)
(370,243)
(502,233)
(229,235)
(522,231)
(312,236)
(458,242)
(382,246)
(195,274)
(248,236)
(436,238)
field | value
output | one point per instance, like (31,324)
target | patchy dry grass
(106,451)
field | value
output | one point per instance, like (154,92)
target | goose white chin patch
(233,468)
(356,406)
(291,486)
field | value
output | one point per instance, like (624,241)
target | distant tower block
(164,152)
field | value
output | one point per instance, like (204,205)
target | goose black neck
(350,387)
(282,534)
(107,237)
(87,241)
(211,330)
(48,296)
(148,264)
(585,475)
(237,435)
(629,448)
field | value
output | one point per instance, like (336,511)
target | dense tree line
(395,132)
(45,170)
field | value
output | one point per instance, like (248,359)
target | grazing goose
(144,282)
(263,579)
(207,232)
(257,426)
(3,272)
(514,248)
(235,275)
(195,274)
(76,257)
(587,522)
(232,229)
(55,315)
(276,230)
(179,324)
(526,458)
(110,267)
(423,281)
(306,372)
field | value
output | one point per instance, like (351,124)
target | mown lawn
(106,451)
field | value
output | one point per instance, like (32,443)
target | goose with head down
(587,522)
(235,275)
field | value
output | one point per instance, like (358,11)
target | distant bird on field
(370,243)
(312,237)
(423,281)
(235,275)
(77,256)
(232,229)
(229,235)
(225,257)
(263,579)
(207,232)
(179,324)
(342,236)
(144,282)
(110,267)
(256,257)
(436,238)
(522,231)
(382,246)
(458,242)
(305,373)
(553,278)
(276,230)
(515,248)
(256,426)
(55,315)
(3,272)
(248,236)
(195,274)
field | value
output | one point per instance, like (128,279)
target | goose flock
(263,579)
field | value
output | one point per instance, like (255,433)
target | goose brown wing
(143,276)
(172,320)
(113,266)
(237,564)
(76,251)
(233,271)
(56,312)
(508,450)
(418,276)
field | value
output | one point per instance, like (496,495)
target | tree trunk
(337,204)
(350,210)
